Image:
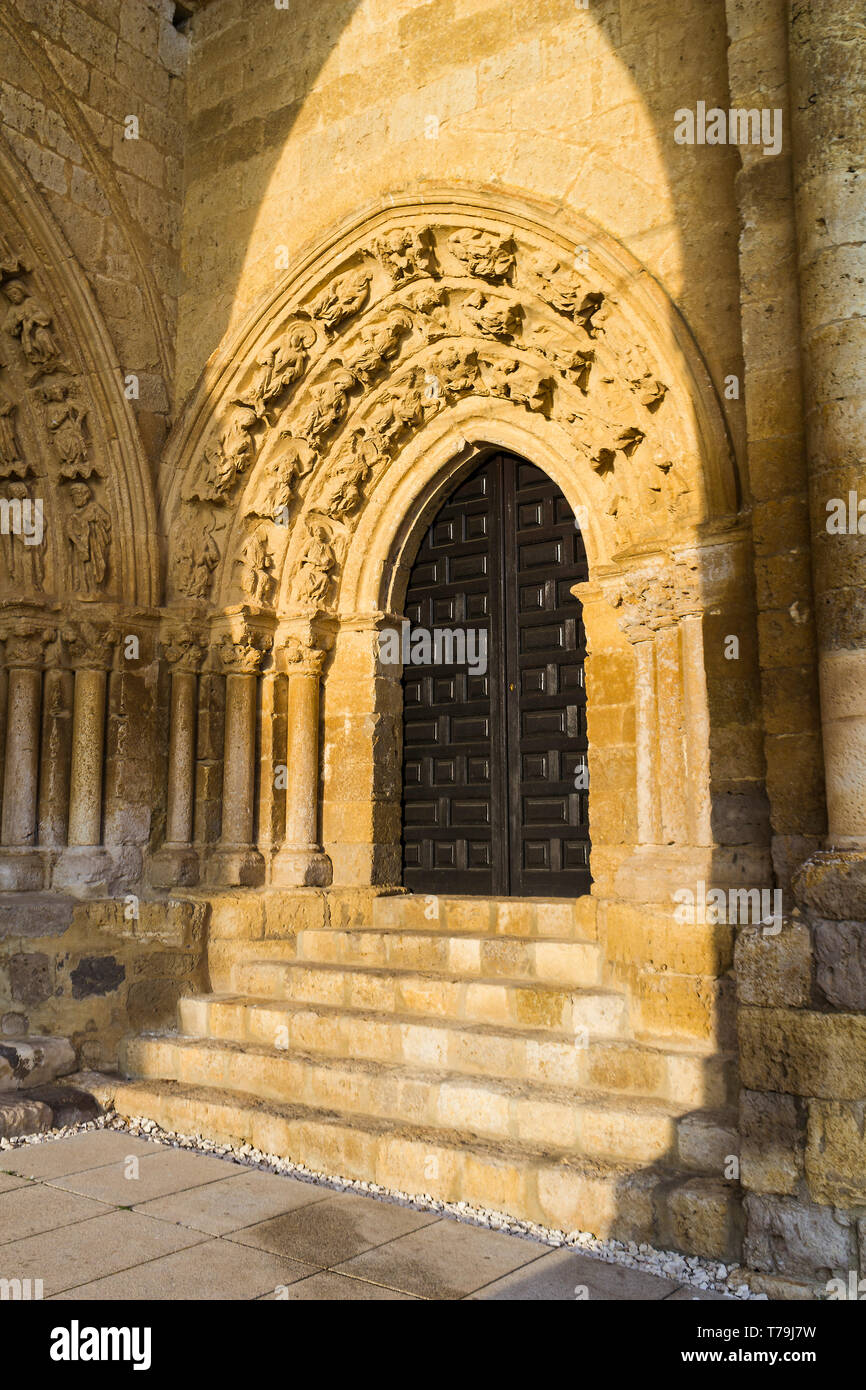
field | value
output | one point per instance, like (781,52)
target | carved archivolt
(428,307)
(78,521)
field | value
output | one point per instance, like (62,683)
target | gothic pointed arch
(68,438)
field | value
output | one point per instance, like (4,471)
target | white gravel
(709,1275)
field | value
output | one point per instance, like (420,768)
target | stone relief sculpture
(29,321)
(278,368)
(343,492)
(11,463)
(88,531)
(246,653)
(491,317)
(23,561)
(227,457)
(197,556)
(279,477)
(430,303)
(342,298)
(66,423)
(313,573)
(377,345)
(327,403)
(406,253)
(483,254)
(257,567)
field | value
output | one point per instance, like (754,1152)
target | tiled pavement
(103,1215)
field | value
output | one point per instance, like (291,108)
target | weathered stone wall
(73,72)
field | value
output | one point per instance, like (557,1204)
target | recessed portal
(495,798)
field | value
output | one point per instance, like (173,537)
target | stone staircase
(462,1048)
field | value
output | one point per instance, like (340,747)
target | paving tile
(562,1275)
(447,1260)
(169,1170)
(57,1157)
(335,1229)
(35,1207)
(216,1269)
(8,1181)
(245,1199)
(328,1287)
(89,1250)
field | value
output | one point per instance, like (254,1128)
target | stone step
(674,1073)
(528,1005)
(628,1129)
(554,961)
(34,1061)
(570,918)
(665,1206)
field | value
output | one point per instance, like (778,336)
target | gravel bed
(709,1275)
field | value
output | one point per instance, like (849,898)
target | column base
(301,866)
(84,870)
(175,866)
(236,866)
(22,869)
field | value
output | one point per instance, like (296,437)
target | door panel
(490,801)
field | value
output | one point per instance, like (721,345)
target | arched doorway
(495,785)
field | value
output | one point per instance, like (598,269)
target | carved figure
(492,318)
(484,254)
(197,557)
(66,423)
(11,464)
(257,561)
(406,253)
(329,402)
(342,298)
(28,320)
(313,575)
(88,530)
(378,344)
(279,367)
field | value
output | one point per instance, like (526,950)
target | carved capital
(26,644)
(303,657)
(653,595)
(90,645)
(245,654)
(184,649)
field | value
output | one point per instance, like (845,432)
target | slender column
(21,865)
(177,861)
(88,736)
(237,860)
(56,758)
(827,54)
(301,859)
(85,865)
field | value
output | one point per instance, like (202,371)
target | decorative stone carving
(573,364)
(278,368)
(11,263)
(342,298)
(313,573)
(407,407)
(23,561)
(88,532)
(90,644)
(303,656)
(406,253)
(327,404)
(25,643)
(197,555)
(257,567)
(455,367)
(65,421)
(227,458)
(484,254)
(184,649)
(245,654)
(515,381)
(642,380)
(28,320)
(566,292)
(352,467)
(281,472)
(377,345)
(491,317)
(11,463)
(652,597)
(430,303)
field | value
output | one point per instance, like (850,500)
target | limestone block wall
(73,72)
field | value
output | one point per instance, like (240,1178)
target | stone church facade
(276,283)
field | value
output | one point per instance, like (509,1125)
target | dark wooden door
(494,783)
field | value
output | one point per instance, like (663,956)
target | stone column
(21,864)
(827,55)
(56,758)
(237,860)
(85,864)
(301,860)
(177,862)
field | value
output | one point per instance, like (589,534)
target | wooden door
(494,795)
